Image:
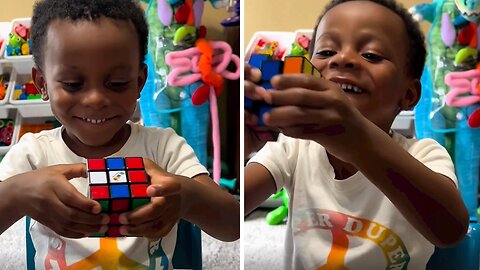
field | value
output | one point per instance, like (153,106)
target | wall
(289,15)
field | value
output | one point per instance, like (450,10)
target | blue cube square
(271,68)
(115,164)
(257,59)
(119,191)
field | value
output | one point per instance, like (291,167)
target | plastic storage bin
(27,108)
(284,39)
(21,63)
(13,115)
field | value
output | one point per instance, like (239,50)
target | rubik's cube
(119,185)
(270,68)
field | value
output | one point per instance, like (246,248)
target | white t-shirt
(46,148)
(346,223)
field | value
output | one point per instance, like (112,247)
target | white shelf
(404,124)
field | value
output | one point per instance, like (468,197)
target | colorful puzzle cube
(119,185)
(299,64)
(270,68)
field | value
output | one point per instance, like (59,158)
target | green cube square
(97,234)
(140,202)
(105,205)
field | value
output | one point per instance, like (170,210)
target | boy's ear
(40,82)
(142,78)
(412,95)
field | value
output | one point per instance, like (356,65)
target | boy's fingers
(167,187)
(250,119)
(251,73)
(253,91)
(79,217)
(141,215)
(153,229)
(285,81)
(163,183)
(72,170)
(71,197)
(151,167)
(299,97)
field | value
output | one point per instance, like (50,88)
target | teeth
(351,88)
(94,121)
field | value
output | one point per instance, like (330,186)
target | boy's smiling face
(92,76)
(363,46)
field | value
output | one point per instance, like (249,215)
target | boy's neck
(342,170)
(86,151)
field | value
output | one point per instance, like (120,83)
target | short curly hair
(46,11)
(416,41)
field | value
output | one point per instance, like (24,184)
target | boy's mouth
(94,121)
(347,85)
(348,88)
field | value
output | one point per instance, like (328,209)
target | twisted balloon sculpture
(207,62)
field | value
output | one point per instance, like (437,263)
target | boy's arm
(46,196)
(215,211)
(428,200)
(258,186)
(8,207)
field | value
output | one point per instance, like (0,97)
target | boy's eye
(325,53)
(372,57)
(72,86)
(118,85)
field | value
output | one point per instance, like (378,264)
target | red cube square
(120,205)
(139,191)
(96,164)
(137,176)
(134,163)
(99,192)
(114,231)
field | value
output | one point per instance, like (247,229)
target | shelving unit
(16,66)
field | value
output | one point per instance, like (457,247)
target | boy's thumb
(72,170)
(166,188)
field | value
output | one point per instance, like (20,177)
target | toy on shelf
(4,79)
(19,41)
(119,185)
(279,214)
(300,46)
(234,5)
(269,68)
(37,127)
(270,48)
(27,91)
(206,63)
(6,131)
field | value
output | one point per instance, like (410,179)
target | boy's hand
(46,196)
(253,92)
(156,219)
(316,109)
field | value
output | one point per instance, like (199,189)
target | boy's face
(364,45)
(92,76)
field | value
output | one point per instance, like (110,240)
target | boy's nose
(95,98)
(343,59)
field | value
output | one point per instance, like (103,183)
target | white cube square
(97,177)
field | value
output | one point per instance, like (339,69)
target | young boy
(361,196)
(89,64)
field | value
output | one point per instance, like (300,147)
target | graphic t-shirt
(53,251)
(346,224)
